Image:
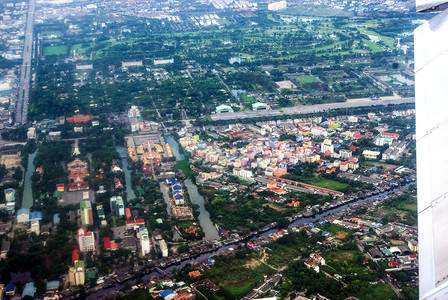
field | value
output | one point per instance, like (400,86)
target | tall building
(277,5)
(117,205)
(86,213)
(86,240)
(10,195)
(76,273)
(431,90)
(144,240)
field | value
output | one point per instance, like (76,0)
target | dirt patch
(341,234)
(253,263)
(11,160)
(396,242)
(273,206)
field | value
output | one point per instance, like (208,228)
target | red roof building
(78,119)
(106,241)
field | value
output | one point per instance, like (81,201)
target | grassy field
(330,184)
(183,165)
(386,40)
(373,46)
(336,230)
(305,79)
(235,279)
(245,98)
(55,50)
(378,292)
(51,32)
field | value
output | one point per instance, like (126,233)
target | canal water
(175,148)
(27,201)
(127,174)
(235,245)
(207,225)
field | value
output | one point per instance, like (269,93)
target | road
(305,109)
(25,72)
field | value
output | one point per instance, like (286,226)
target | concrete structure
(128,64)
(23,215)
(76,273)
(223,109)
(277,5)
(145,245)
(370,154)
(117,205)
(10,195)
(260,106)
(86,240)
(86,213)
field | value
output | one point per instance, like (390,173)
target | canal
(127,174)
(255,236)
(210,231)
(207,225)
(27,200)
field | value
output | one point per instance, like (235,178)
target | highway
(305,109)
(25,71)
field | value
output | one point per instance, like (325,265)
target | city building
(86,213)
(23,215)
(117,205)
(76,273)
(144,241)
(368,154)
(10,195)
(223,109)
(86,240)
(277,5)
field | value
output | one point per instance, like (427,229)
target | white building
(277,5)
(145,245)
(163,248)
(86,240)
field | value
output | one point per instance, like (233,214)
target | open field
(55,50)
(11,160)
(341,235)
(183,165)
(306,79)
(330,184)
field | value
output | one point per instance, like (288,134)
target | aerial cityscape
(208,149)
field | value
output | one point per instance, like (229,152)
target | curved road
(25,72)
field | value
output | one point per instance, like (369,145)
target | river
(127,174)
(27,201)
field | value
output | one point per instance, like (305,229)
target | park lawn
(238,291)
(331,184)
(55,50)
(373,46)
(386,40)
(378,292)
(336,230)
(183,165)
(306,79)
(223,21)
(51,32)
(245,98)
(408,206)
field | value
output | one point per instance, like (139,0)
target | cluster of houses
(178,205)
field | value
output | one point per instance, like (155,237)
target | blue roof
(177,187)
(166,293)
(35,215)
(56,219)
(23,211)
(325,233)
(10,287)
(179,197)
(53,284)
(29,290)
